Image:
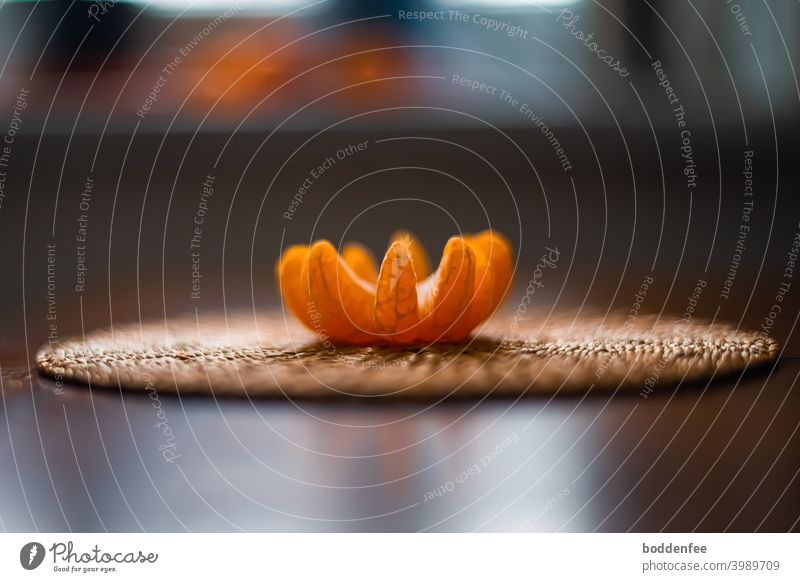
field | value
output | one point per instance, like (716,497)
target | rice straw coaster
(268,354)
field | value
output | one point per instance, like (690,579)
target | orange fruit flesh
(347,299)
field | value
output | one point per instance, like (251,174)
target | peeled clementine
(352,301)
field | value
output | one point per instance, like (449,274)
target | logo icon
(31,555)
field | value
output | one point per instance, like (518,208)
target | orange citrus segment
(482,298)
(497,251)
(396,296)
(422,264)
(346,299)
(361,261)
(445,297)
(292,281)
(339,300)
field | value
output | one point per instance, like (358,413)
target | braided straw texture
(265,354)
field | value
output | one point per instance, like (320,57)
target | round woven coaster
(266,354)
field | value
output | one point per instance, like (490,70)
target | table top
(706,457)
(718,456)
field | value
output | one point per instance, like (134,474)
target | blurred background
(473,113)
(647,138)
(248,65)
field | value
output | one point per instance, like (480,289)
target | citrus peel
(402,301)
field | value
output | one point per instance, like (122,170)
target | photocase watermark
(319,330)
(548,260)
(679,115)
(473,470)
(100,8)
(537,120)
(681,327)
(198,222)
(744,226)
(52,311)
(651,381)
(380,364)
(691,306)
(739,16)
(791,257)
(489,23)
(51,307)
(568,19)
(783,287)
(31,555)
(544,509)
(507,98)
(474,85)
(630,320)
(81,236)
(169,448)
(318,171)
(14,127)
(69,560)
(183,52)
(665,83)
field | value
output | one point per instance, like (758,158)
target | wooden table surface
(722,456)
(707,457)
